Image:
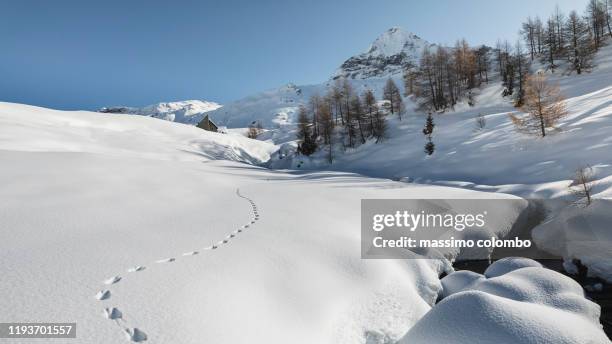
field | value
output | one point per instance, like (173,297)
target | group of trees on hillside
(446,76)
(573,37)
(344,117)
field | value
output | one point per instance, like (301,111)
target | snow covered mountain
(388,55)
(187,111)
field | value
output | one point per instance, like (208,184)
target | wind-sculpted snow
(524,305)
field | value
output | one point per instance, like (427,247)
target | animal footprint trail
(166,260)
(112,280)
(113,313)
(135,334)
(103,295)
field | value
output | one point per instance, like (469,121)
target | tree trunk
(608,20)
(541,113)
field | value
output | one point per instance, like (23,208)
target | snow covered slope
(388,55)
(272,109)
(497,157)
(34,129)
(188,111)
(497,154)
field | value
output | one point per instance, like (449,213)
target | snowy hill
(187,112)
(388,55)
(108,134)
(271,108)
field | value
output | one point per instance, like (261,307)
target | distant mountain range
(386,57)
(187,111)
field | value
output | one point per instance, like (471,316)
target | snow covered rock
(459,281)
(474,317)
(523,305)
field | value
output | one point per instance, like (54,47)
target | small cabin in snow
(207,124)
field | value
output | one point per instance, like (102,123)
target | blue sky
(89,54)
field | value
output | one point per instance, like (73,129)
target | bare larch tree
(544,106)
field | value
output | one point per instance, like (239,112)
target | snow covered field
(135,229)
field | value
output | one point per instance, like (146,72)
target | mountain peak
(393,42)
(389,54)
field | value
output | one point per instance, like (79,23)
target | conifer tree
(428,131)
(378,123)
(394,98)
(579,48)
(358,116)
(307,143)
(327,128)
(521,72)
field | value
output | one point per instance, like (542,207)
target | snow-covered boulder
(529,304)
(459,281)
(508,264)
(474,317)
